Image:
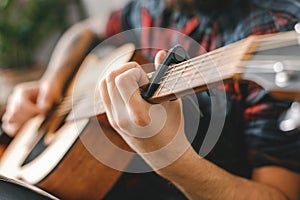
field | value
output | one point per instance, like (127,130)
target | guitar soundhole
(36,151)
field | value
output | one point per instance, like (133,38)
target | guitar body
(79,175)
(64,162)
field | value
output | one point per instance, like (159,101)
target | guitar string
(203,64)
(205,67)
(190,80)
(206,63)
(198,67)
(264,45)
(215,56)
(209,55)
(212,58)
(290,64)
(206,58)
(221,71)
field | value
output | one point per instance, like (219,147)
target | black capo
(174,56)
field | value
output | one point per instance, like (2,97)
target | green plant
(24,24)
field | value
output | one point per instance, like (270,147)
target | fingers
(10,128)
(120,91)
(159,57)
(44,102)
(127,111)
(106,101)
(113,93)
(113,102)
(128,84)
(26,101)
(48,95)
(21,105)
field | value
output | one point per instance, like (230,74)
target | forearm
(68,55)
(198,178)
(72,48)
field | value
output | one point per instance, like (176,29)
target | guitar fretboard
(217,66)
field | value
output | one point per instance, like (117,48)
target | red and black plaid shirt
(251,137)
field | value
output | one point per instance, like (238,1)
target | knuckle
(141,118)
(120,79)
(111,76)
(9,119)
(123,124)
(5,118)
(120,122)
(10,129)
(10,101)
(141,121)
(102,84)
(102,89)
(22,86)
(18,89)
(133,63)
(21,107)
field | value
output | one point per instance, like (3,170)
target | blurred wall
(102,7)
(92,8)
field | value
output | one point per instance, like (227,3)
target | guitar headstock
(276,65)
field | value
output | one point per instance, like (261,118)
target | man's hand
(155,131)
(26,101)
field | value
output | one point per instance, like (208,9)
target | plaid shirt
(250,137)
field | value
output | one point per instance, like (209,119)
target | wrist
(178,168)
(160,156)
(50,89)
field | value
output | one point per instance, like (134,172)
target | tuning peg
(291,119)
(278,67)
(297,27)
(282,76)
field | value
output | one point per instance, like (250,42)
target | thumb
(159,57)
(46,98)
(44,102)
(49,94)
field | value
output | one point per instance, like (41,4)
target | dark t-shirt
(250,137)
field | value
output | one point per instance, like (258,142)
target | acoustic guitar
(68,153)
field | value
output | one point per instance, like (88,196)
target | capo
(174,56)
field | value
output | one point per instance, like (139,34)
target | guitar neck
(201,72)
(228,63)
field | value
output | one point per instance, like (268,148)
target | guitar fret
(163,85)
(198,66)
(192,78)
(179,76)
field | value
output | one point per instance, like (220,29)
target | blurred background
(29,30)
